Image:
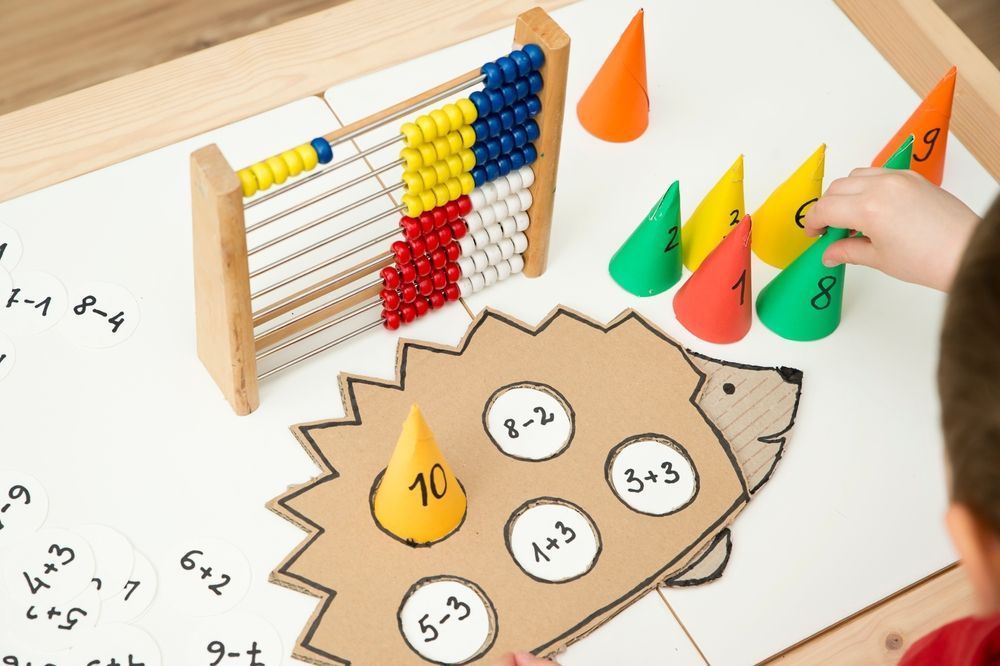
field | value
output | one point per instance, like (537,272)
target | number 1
(742,284)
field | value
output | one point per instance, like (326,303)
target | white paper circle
(8,354)
(23,506)
(447,620)
(10,250)
(205,576)
(529,421)
(55,626)
(6,285)
(113,556)
(116,643)
(134,597)
(35,302)
(233,639)
(100,314)
(48,567)
(552,540)
(15,652)
(652,474)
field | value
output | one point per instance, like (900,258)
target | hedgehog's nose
(791,375)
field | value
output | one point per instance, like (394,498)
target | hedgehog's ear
(790,375)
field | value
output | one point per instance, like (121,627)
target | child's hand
(522,659)
(912,229)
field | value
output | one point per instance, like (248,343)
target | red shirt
(971,641)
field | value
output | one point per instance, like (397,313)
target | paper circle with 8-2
(529,421)
(237,639)
(620,378)
(447,620)
(204,576)
(23,506)
(120,644)
(101,314)
(35,302)
(48,567)
(652,474)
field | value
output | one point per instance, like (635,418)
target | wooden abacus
(472,169)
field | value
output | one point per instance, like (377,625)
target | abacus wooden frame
(224,315)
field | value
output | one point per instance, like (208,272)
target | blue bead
(530,154)
(522,61)
(478,175)
(481,128)
(492,171)
(531,127)
(508,67)
(507,118)
(496,101)
(534,105)
(505,165)
(506,142)
(535,54)
(479,150)
(516,159)
(324,153)
(482,102)
(535,81)
(520,136)
(520,112)
(495,126)
(494,77)
(493,146)
(522,88)
(509,96)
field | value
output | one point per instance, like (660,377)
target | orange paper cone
(616,105)
(929,127)
(716,302)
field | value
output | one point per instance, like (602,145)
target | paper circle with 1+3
(552,540)
(529,421)
(23,506)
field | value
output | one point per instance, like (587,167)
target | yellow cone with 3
(717,214)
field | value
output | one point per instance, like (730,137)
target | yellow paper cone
(778,236)
(720,210)
(418,499)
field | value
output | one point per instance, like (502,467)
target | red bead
(444,235)
(402,252)
(439,258)
(390,319)
(423,266)
(436,299)
(464,204)
(458,229)
(407,273)
(425,286)
(408,312)
(390,299)
(453,251)
(451,210)
(452,292)
(432,240)
(439,279)
(390,277)
(453,272)
(440,216)
(408,293)
(426,222)
(417,247)
(422,306)
(411,227)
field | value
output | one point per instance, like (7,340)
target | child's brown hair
(969,375)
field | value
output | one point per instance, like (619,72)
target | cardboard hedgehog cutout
(597,462)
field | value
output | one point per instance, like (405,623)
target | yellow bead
(429,176)
(442,171)
(468,159)
(414,137)
(441,121)
(412,158)
(441,194)
(468,109)
(468,136)
(427,127)
(454,189)
(454,165)
(308,155)
(263,174)
(249,182)
(454,142)
(454,115)
(293,162)
(427,199)
(442,147)
(413,182)
(278,168)
(467,182)
(413,205)
(427,153)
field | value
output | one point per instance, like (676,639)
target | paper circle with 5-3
(48,567)
(135,596)
(8,356)
(23,506)
(116,643)
(55,626)
(529,421)
(100,314)
(447,620)
(204,576)
(35,303)
(113,557)
(216,640)
(10,247)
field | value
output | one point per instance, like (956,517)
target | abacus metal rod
(340,299)
(319,329)
(326,218)
(320,350)
(367,127)
(329,193)
(329,239)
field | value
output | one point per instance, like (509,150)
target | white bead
(481,238)
(490,275)
(527,175)
(488,215)
(525,197)
(522,221)
(506,248)
(516,264)
(489,193)
(513,204)
(478,198)
(515,180)
(500,210)
(508,225)
(467,245)
(465,286)
(493,254)
(503,270)
(480,260)
(478,282)
(495,232)
(474,220)
(468,266)
(520,242)
(502,186)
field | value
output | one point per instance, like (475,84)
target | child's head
(969,381)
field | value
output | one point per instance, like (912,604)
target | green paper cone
(901,158)
(803,302)
(649,262)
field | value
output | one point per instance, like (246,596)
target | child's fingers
(847,185)
(855,250)
(506,660)
(864,172)
(528,659)
(839,211)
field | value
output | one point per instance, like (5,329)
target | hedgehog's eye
(728,388)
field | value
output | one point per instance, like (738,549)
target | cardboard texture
(622,380)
